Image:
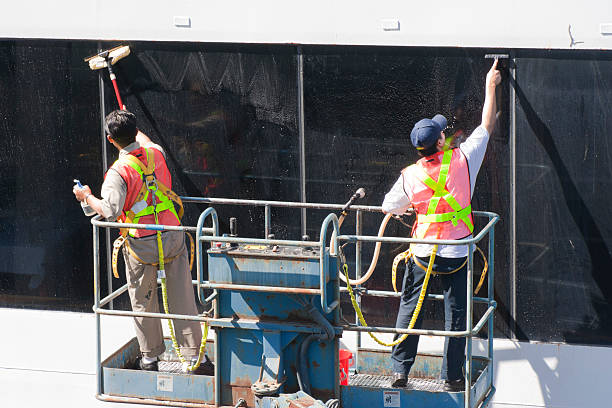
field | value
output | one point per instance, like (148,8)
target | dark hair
(433,149)
(121,126)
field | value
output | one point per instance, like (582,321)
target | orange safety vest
(438,187)
(141,211)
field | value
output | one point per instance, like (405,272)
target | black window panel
(50,135)
(360,106)
(564,232)
(226,118)
(225,115)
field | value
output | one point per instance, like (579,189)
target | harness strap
(165,195)
(119,242)
(404,256)
(396,261)
(422,266)
(116,247)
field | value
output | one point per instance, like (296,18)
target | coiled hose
(417,309)
(368,274)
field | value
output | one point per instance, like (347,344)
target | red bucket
(346,360)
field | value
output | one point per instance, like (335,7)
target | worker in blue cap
(439,188)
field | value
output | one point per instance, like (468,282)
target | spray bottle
(86,208)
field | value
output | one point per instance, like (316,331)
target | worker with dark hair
(439,188)
(122,198)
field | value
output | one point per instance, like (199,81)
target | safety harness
(162,198)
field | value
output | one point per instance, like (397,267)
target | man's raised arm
(490,108)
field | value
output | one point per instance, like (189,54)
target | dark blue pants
(454,289)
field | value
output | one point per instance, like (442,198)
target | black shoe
(399,380)
(457,385)
(147,367)
(206,367)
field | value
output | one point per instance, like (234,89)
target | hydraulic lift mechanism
(274,309)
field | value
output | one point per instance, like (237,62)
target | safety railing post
(468,325)
(267,221)
(491,296)
(324,260)
(96,272)
(210,211)
(358,245)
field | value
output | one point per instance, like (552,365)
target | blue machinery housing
(276,316)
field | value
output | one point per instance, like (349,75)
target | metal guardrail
(211,234)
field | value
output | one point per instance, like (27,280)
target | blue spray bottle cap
(86,207)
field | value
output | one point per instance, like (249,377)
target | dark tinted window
(361,105)
(49,127)
(564,232)
(227,117)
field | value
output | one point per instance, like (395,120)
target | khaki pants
(142,287)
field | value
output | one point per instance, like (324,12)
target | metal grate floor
(384,381)
(170,367)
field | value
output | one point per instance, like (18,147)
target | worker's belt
(423,263)
(119,242)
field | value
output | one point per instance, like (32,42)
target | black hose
(327,335)
(302,363)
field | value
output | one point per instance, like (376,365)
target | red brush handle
(114,81)
(121,105)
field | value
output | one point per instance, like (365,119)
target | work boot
(147,366)
(454,385)
(399,380)
(206,367)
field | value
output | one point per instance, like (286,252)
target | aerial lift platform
(275,312)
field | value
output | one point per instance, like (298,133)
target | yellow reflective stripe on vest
(439,186)
(166,205)
(440,192)
(453,217)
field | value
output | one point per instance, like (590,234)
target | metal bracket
(271,365)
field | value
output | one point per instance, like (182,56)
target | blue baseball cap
(426,132)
